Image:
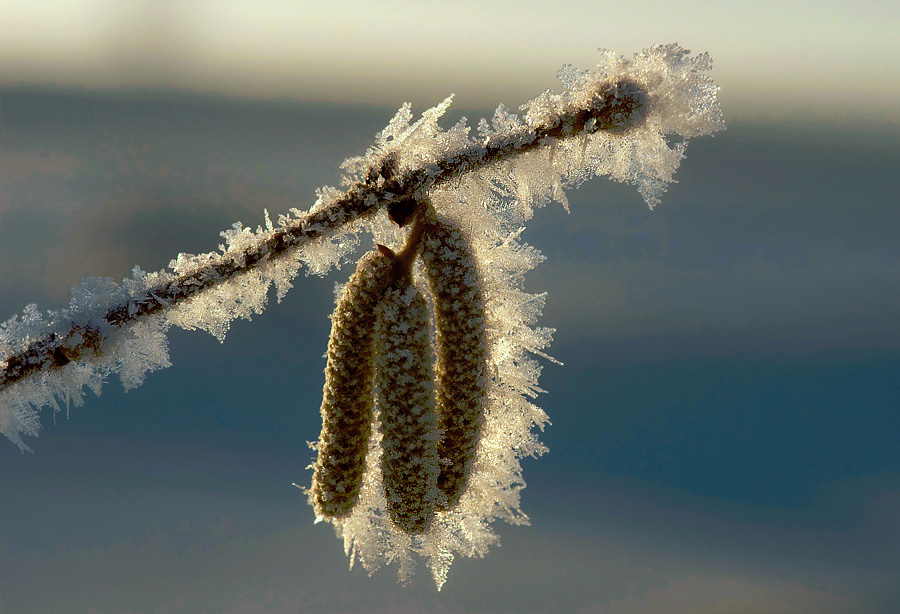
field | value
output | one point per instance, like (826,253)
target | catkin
(348,396)
(460,368)
(404,376)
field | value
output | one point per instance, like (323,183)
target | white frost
(491,204)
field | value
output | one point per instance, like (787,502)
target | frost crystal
(489,207)
(628,119)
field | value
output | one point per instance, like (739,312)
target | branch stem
(615,106)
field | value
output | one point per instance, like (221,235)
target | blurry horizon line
(744,113)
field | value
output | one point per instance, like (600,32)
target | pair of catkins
(430,397)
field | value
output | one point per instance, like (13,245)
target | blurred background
(724,429)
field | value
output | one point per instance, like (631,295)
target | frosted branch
(619,101)
(627,119)
(614,106)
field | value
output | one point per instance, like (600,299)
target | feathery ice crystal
(628,119)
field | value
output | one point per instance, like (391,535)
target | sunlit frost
(491,205)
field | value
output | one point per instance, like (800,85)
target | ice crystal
(627,119)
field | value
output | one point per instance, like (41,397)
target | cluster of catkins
(430,395)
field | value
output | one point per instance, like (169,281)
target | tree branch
(614,106)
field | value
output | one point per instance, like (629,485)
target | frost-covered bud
(617,106)
(409,425)
(402,211)
(348,397)
(460,369)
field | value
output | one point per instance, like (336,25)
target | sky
(773,58)
(724,425)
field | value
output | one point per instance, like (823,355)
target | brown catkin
(348,395)
(404,381)
(460,369)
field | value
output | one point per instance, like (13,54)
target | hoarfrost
(491,204)
(489,201)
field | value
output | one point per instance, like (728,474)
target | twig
(615,106)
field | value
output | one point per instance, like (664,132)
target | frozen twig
(615,106)
(627,119)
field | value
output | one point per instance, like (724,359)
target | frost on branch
(628,119)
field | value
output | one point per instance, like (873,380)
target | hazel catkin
(408,423)
(461,347)
(348,396)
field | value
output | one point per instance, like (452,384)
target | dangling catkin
(347,403)
(404,375)
(405,384)
(460,369)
